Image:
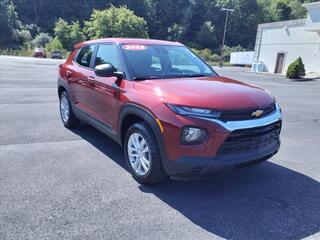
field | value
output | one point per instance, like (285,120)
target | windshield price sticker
(134,47)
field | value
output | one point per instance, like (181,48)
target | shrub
(296,69)
(55,44)
(207,55)
(24,51)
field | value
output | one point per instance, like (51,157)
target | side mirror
(107,70)
(104,70)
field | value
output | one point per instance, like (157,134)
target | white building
(279,43)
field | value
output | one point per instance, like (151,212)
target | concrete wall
(290,38)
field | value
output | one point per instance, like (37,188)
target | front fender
(150,119)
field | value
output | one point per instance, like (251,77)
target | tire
(69,120)
(155,172)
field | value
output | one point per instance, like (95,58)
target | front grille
(252,139)
(246,114)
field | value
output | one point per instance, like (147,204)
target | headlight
(191,111)
(193,135)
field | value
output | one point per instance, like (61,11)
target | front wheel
(68,118)
(143,155)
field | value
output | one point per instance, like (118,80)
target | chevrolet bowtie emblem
(257,113)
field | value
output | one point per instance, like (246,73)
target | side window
(107,53)
(85,55)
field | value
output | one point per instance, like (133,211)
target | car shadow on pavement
(102,142)
(266,201)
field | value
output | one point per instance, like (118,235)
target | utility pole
(224,33)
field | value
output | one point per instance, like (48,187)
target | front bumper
(259,140)
(203,165)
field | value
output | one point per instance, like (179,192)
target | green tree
(194,18)
(175,32)
(9,25)
(280,10)
(297,10)
(206,36)
(41,40)
(264,6)
(243,22)
(44,13)
(24,36)
(167,19)
(76,33)
(181,20)
(33,29)
(62,32)
(68,34)
(115,22)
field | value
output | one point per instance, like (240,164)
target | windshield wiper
(197,75)
(186,76)
(142,78)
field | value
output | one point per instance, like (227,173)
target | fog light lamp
(193,135)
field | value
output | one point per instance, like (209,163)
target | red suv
(39,53)
(170,111)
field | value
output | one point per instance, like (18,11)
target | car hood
(206,92)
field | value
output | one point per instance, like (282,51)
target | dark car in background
(56,54)
(39,53)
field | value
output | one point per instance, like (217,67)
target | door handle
(91,80)
(68,74)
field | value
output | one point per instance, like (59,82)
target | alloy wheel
(139,154)
(64,109)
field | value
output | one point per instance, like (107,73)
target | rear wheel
(68,118)
(143,155)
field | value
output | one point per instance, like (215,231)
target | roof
(283,23)
(129,41)
(311,5)
(313,19)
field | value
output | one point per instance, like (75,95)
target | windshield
(160,61)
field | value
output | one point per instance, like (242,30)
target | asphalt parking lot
(62,184)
